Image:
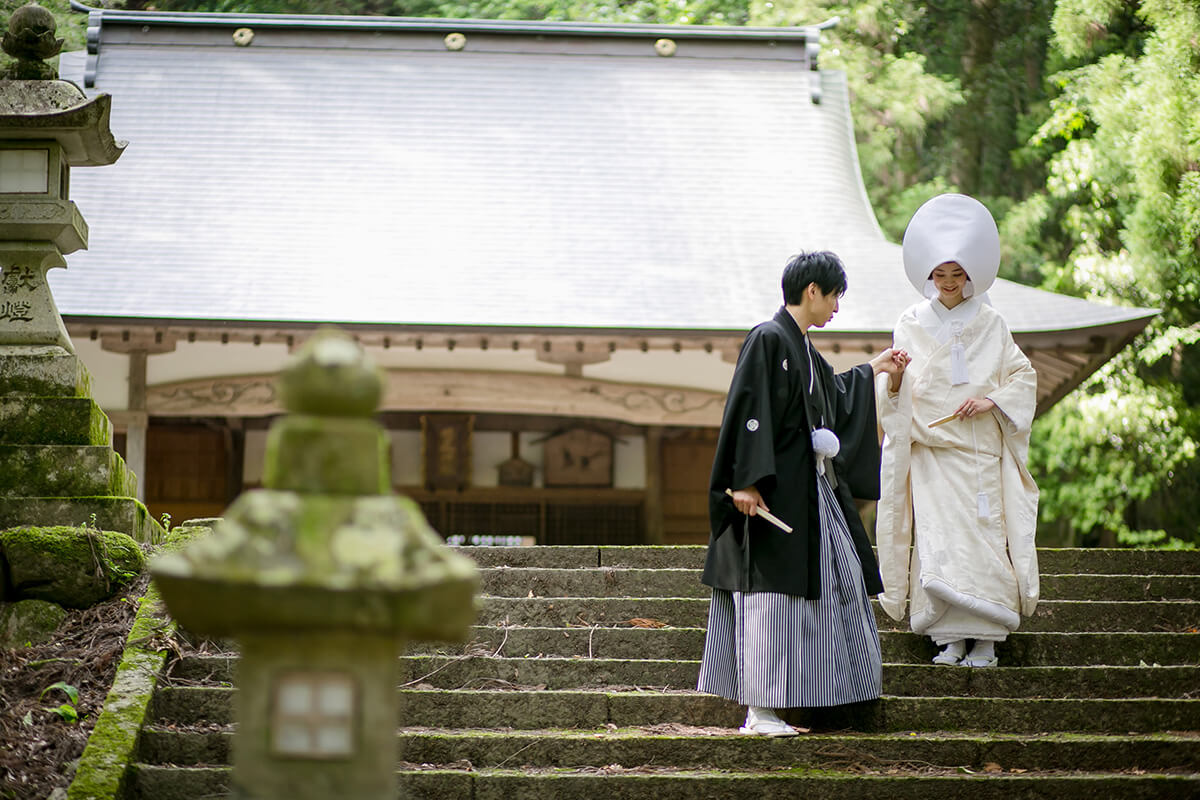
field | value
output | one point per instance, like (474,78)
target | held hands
(893,362)
(973,406)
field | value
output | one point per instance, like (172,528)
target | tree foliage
(1119,220)
(895,98)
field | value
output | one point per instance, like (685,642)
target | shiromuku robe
(958,498)
(766,442)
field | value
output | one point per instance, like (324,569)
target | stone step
(124,514)
(43,371)
(719,748)
(1020,649)
(163,783)
(903,680)
(53,420)
(1051,615)
(1051,561)
(525,710)
(674,582)
(32,470)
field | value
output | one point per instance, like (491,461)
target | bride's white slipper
(976,661)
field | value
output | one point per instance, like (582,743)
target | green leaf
(66,712)
(67,688)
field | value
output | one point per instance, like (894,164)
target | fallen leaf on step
(992,766)
(642,622)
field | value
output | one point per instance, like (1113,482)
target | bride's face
(949,278)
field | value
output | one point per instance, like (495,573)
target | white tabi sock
(759,714)
(983,650)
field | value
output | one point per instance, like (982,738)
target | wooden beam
(462,391)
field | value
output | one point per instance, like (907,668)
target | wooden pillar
(139,421)
(235,457)
(655,529)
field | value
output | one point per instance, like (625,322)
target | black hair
(822,268)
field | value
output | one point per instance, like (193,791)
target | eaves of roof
(329,22)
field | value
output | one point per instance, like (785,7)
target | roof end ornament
(812,51)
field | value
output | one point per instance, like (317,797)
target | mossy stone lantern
(321,577)
(46,127)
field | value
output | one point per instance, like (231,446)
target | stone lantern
(47,126)
(57,465)
(320,576)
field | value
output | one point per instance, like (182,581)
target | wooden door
(187,470)
(686,465)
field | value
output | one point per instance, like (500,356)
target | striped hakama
(782,651)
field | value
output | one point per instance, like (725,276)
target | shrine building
(552,237)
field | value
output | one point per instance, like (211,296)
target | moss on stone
(29,621)
(104,767)
(179,536)
(327,455)
(43,371)
(63,470)
(330,377)
(53,420)
(73,566)
(124,514)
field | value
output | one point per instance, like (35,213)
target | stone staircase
(579,683)
(57,462)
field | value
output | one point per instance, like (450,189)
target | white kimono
(973,568)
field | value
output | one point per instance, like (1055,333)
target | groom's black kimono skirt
(766,442)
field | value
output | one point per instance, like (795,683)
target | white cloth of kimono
(969,575)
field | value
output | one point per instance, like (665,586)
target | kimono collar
(788,322)
(943,323)
(812,376)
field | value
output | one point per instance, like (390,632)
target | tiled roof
(363,172)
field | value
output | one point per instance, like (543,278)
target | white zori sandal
(765,722)
(983,654)
(951,655)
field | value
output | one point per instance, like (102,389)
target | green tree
(894,97)
(1119,220)
(996,49)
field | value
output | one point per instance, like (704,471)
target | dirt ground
(40,746)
